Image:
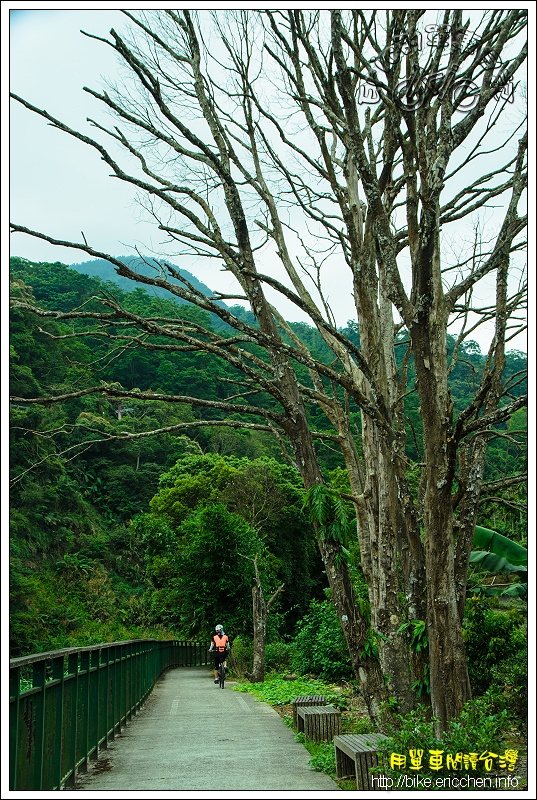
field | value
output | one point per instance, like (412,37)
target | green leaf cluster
(418,634)
(491,636)
(319,645)
(496,554)
(331,512)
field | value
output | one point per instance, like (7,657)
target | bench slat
(355,755)
(307,700)
(319,722)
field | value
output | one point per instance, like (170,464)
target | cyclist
(220,646)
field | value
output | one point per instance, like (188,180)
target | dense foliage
(218,513)
(155,536)
(478,730)
(492,637)
(81,571)
(319,646)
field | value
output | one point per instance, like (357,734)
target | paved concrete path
(193,736)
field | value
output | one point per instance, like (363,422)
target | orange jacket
(220,642)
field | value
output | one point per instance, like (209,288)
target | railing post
(94,704)
(124,682)
(144,670)
(128,681)
(138,650)
(122,702)
(14,710)
(117,689)
(112,683)
(84,711)
(71,726)
(104,694)
(38,680)
(57,675)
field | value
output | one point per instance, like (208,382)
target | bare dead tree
(260,609)
(253,147)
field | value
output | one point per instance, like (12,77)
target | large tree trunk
(257,675)
(385,577)
(450,685)
(384,528)
(449,681)
(367,670)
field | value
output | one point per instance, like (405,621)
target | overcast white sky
(58,185)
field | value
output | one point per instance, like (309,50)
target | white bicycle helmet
(219,628)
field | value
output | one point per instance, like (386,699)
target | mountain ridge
(103,269)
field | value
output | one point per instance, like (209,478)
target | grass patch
(323,755)
(278,692)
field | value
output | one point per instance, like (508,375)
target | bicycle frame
(221,674)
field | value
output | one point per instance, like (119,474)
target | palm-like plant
(496,553)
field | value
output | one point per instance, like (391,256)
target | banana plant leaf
(494,542)
(514,590)
(495,563)
(497,553)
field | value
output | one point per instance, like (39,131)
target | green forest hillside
(83,566)
(155,536)
(99,268)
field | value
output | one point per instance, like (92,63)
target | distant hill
(107,272)
(99,268)
(102,269)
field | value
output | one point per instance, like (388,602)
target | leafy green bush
(323,758)
(363,725)
(477,730)
(278,656)
(509,688)
(319,647)
(490,637)
(242,655)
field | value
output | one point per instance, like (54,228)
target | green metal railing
(67,705)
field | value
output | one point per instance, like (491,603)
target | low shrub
(242,655)
(490,637)
(319,647)
(509,687)
(471,742)
(278,691)
(278,657)
(362,726)
(323,757)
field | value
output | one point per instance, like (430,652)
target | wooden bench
(307,700)
(355,754)
(320,723)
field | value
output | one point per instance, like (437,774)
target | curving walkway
(193,736)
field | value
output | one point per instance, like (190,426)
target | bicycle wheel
(221,675)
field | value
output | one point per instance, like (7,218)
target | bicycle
(221,674)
